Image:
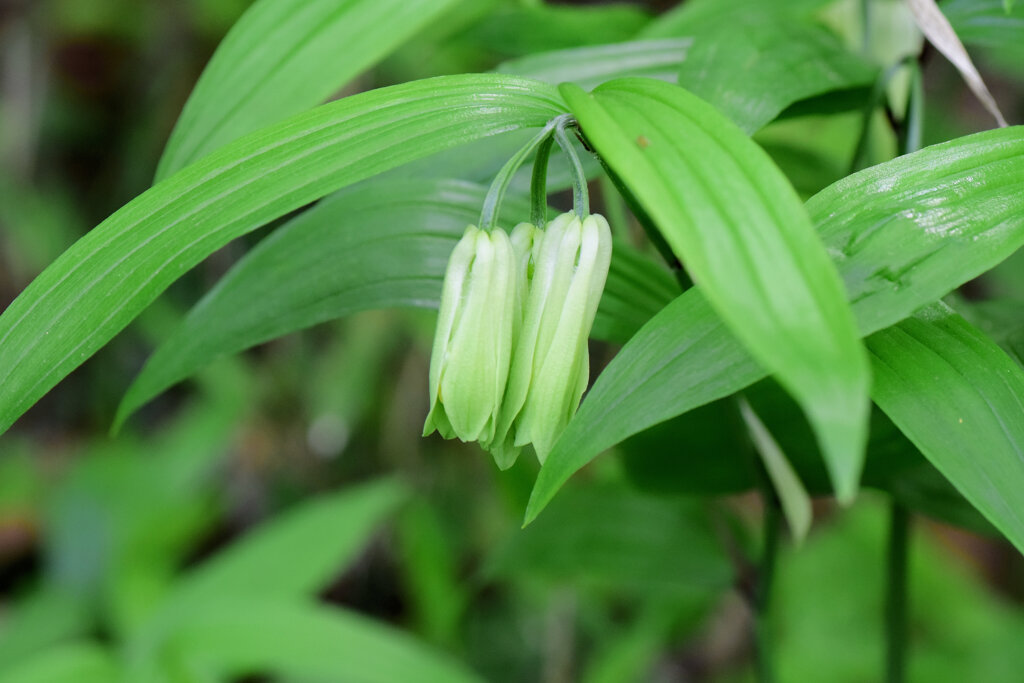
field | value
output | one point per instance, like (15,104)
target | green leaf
(755,65)
(796,503)
(284,57)
(907,232)
(74,662)
(755,60)
(703,453)
(900,241)
(736,223)
(521,30)
(99,285)
(682,19)
(379,244)
(632,652)
(437,594)
(611,536)
(590,66)
(993,26)
(38,621)
(827,604)
(1001,319)
(261,636)
(296,553)
(959,398)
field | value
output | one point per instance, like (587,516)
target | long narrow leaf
(736,223)
(899,239)
(283,57)
(590,66)
(72,662)
(960,399)
(793,497)
(99,285)
(308,642)
(295,554)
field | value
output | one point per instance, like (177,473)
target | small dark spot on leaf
(642,141)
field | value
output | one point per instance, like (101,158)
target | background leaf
(590,66)
(929,238)
(297,553)
(518,29)
(101,283)
(738,226)
(74,662)
(796,504)
(753,65)
(829,627)
(283,57)
(611,536)
(314,643)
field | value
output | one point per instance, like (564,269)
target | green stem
(763,590)
(580,193)
(896,595)
(539,184)
(496,193)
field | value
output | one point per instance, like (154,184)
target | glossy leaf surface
(590,66)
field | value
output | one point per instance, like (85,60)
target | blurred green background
(256,508)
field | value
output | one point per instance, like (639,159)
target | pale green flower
(473,343)
(526,240)
(551,363)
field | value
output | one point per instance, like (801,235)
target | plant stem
(580,193)
(539,184)
(896,595)
(496,193)
(763,590)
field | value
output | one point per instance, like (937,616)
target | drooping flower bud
(469,364)
(526,240)
(551,362)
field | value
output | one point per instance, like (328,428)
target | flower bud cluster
(510,360)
